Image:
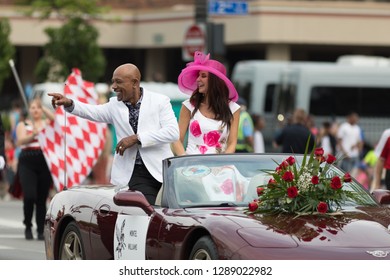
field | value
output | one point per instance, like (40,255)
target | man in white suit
(145,125)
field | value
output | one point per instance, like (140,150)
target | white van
(328,91)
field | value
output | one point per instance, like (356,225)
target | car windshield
(232,180)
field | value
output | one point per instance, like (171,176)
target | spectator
(378,170)
(382,141)
(350,143)
(258,139)
(326,139)
(2,145)
(245,129)
(3,179)
(295,136)
(362,175)
(311,125)
(383,162)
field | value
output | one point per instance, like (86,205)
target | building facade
(151,34)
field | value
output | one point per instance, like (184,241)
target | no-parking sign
(195,39)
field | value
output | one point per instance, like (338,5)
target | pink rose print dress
(207,136)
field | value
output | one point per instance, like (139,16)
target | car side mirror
(382,196)
(133,199)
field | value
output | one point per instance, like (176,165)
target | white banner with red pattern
(72,145)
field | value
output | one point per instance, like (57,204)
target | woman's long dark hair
(218,100)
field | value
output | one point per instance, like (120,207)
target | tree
(74,45)
(7,50)
(64,8)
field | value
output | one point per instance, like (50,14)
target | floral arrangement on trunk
(306,189)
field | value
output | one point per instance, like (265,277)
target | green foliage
(7,50)
(74,45)
(66,8)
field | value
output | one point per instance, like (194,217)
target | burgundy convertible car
(202,214)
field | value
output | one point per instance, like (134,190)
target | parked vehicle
(326,90)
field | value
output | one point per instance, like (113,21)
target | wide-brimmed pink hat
(187,78)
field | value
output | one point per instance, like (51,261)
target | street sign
(233,7)
(194,40)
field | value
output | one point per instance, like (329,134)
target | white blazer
(157,128)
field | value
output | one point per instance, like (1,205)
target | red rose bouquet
(308,188)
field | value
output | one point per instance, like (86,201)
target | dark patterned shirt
(133,120)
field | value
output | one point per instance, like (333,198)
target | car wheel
(204,249)
(71,247)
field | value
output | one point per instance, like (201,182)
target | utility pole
(215,32)
(201,11)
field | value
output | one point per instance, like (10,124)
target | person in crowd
(3,180)
(2,145)
(362,175)
(379,165)
(383,163)
(15,115)
(326,139)
(33,173)
(210,115)
(145,126)
(349,142)
(245,129)
(366,167)
(258,139)
(382,141)
(294,137)
(311,124)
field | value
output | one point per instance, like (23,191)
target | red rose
(288,176)
(318,152)
(211,139)
(292,192)
(260,191)
(290,160)
(322,207)
(271,183)
(195,129)
(253,206)
(330,159)
(315,180)
(335,183)
(284,165)
(347,178)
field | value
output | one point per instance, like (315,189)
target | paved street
(13,245)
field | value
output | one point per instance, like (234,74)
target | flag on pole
(72,145)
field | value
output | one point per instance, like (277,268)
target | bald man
(145,125)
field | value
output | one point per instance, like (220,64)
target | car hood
(362,227)
(98,190)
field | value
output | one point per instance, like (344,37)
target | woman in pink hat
(211,114)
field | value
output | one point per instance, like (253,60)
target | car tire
(71,246)
(204,249)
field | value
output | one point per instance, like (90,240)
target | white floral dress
(207,136)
